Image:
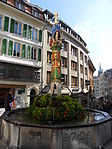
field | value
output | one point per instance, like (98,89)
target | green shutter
(23,51)
(39,54)
(6,23)
(10,47)
(12,26)
(29,32)
(4,46)
(28,52)
(40,35)
(25,30)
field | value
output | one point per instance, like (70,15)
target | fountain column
(55,45)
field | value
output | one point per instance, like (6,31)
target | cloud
(99,43)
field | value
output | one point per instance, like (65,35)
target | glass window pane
(4,46)
(19,29)
(16,27)
(10,47)
(18,49)
(25,30)
(39,54)
(12,26)
(0,22)
(6,23)
(33,33)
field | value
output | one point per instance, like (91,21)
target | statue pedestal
(55,88)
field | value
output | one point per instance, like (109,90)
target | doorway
(32,97)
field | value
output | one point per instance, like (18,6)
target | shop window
(10,48)
(29,32)
(40,35)
(33,53)
(25,30)
(6,23)
(28,52)
(39,54)
(34,34)
(0,23)
(23,50)
(16,51)
(4,46)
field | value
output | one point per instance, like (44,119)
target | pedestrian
(8,99)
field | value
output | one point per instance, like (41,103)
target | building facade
(25,54)
(21,27)
(74,57)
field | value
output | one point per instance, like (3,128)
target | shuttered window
(39,54)
(6,23)
(12,26)
(23,50)
(28,52)
(10,47)
(25,30)
(4,46)
(40,35)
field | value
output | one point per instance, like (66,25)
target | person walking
(8,99)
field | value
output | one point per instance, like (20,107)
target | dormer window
(19,5)
(35,13)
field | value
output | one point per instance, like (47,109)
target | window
(63,62)
(81,56)
(86,71)
(19,5)
(75,66)
(82,83)
(4,46)
(29,32)
(74,81)
(64,46)
(34,34)
(25,30)
(10,48)
(81,69)
(0,22)
(48,37)
(6,23)
(16,51)
(33,53)
(40,35)
(12,25)
(23,50)
(35,13)
(17,29)
(28,52)
(49,57)
(39,54)
(85,59)
(48,77)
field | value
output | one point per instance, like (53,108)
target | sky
(92,20)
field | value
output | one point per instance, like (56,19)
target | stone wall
(22,135)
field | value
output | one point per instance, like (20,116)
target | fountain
(18,131)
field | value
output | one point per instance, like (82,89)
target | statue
(56,44)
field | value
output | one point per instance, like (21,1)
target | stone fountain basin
(25,135)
